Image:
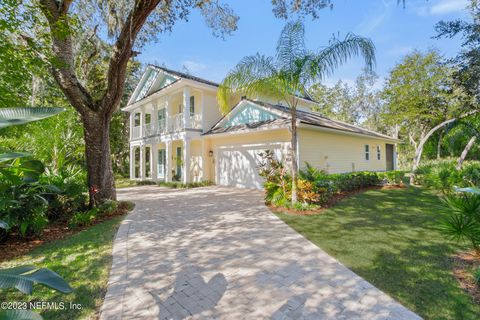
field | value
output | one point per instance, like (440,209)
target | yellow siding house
(178,133)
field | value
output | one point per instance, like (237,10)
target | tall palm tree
(287,76)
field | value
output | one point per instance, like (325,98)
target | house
(178,133)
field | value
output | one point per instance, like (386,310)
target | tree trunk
(439,145)
(419,147)
(101,184)
(465,152)
(294,155)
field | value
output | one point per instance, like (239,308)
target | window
(192,105)
(378,152)
(148,118)
(367,152)
(136,119)
(162,114)
(180,108)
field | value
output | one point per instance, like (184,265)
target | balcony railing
(149,129)
(136,132)
(176,123)
(196,121)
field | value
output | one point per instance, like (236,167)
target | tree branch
(122,52)
(63,64)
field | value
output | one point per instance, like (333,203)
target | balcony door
(161,166)
(161,118)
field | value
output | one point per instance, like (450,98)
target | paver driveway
(218,253)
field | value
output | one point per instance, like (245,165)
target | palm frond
(15,116)
(19,315)
(325,62)
(253,75)
(24,277)
(291,45)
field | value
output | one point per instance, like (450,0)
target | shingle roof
(306,117)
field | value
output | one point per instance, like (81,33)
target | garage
(237,166)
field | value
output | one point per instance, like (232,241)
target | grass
(391,238)
(83,260)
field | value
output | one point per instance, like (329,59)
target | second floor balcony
(175,123)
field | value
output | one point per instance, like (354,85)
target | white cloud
(370,24)
(194,66)
(442,7)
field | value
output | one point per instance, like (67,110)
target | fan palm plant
(287,76)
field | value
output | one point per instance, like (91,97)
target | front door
(162,160)
(389,156)
(179,163)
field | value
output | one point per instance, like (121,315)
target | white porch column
(154,161)
(132,123)
(142,162)
(167,114)
(155,116)
(132,162)
(168,162)
(186,161)
(142,122)
(186,107)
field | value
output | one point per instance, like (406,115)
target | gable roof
(184,75)
(149,84)
(305,117)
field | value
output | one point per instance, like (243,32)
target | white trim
(337,131)
(248,131)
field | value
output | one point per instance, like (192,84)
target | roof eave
(339,131)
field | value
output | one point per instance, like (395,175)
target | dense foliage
(443,175)
(463,222)
(315,187)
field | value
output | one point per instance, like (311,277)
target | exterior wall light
(210,153)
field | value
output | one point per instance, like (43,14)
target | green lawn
(390,238)
(83,259)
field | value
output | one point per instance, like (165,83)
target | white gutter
(338,131)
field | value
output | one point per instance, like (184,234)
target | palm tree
(287,76)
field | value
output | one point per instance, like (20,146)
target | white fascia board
(319,128)
(248,131)
(168,89)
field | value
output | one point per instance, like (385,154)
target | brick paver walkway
(218,253)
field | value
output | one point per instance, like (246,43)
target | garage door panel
(238,166)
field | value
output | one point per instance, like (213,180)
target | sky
(394,30)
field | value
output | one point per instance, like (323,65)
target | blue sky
(394,30)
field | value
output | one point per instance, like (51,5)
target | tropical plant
(287,76)
(463,223)
(22,204)
(23,278)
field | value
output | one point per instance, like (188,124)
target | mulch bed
(464,264)
(335,199)
(16,245)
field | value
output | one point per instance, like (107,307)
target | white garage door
(238,166)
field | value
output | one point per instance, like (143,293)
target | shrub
(443,174)
(83,218)
(180,185)
(146,183)
(463,222)
(395,177)
(476,276)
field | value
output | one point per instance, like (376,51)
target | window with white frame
(192,105)
(378,152)
(367,152)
